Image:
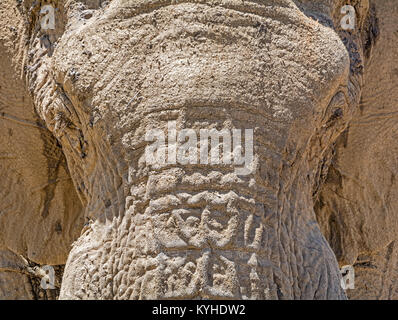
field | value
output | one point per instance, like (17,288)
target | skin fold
(112,70)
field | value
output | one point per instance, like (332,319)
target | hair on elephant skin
(92,91)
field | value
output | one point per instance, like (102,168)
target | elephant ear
(40,212)
(357,206)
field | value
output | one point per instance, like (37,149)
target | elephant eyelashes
(336,107)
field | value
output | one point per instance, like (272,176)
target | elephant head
(111,71)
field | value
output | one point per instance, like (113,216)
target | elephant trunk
(197,230)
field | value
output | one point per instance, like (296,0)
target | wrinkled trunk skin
(197,231)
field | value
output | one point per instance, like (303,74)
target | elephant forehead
(274,57)
(140,6)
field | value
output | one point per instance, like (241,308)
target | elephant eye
(337,108)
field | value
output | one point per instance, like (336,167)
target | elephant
(78,98)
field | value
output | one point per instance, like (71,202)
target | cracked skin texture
(85,93)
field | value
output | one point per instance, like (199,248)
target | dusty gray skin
(284,68)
